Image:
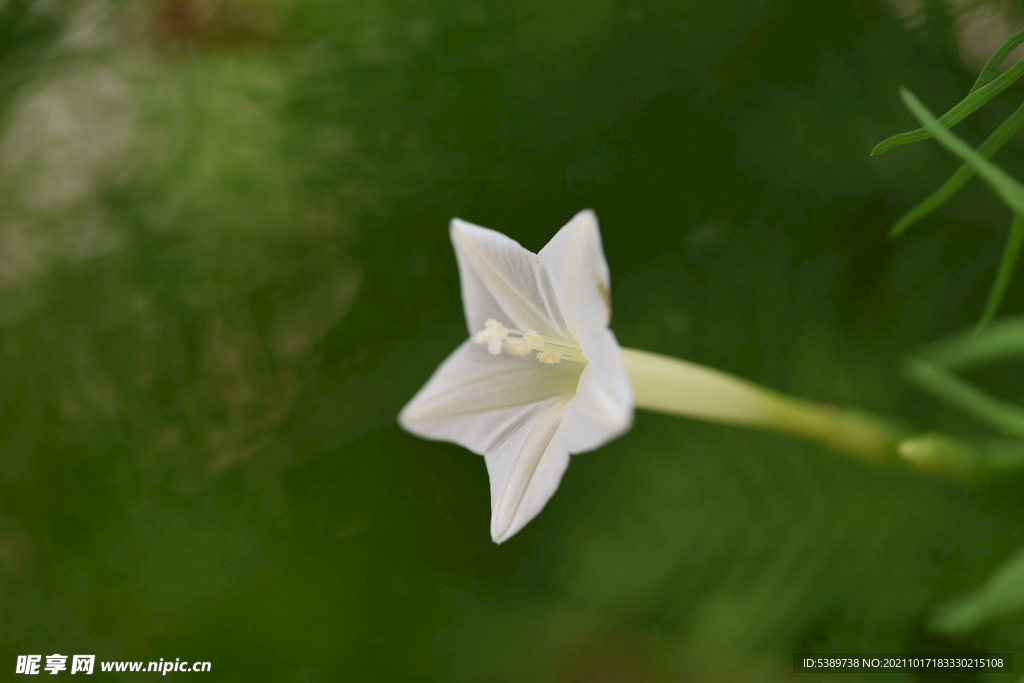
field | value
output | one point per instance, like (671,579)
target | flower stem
(670,385)
(960,459)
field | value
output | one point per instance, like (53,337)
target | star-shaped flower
(541,376)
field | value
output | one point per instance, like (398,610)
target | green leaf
(1001,596)
(1006,130)
(967,106)
(1000,341)
(1002,415)
(1008,189)
(995,62)
(1005,273)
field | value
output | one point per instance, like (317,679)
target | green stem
(670,385)
(1005,273)
(961,459)
(999,137)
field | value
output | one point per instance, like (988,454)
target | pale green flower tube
(670,385)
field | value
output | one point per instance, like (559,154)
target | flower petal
(574,260)
(527,418)
(602,409)
(473,397)
(525,467)
(501,279)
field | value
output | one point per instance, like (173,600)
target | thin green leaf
(1001,415)
(1008,189)
(995,62)
(958,113)
(1002,340)
(999,457)
(1006,130)
(1005,273)
(1001,596)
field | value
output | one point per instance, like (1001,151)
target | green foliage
(987,86)
(991,69)
(1006,130)
(1008,189)
(932,370)
(985,89)
(1001,342)
(1000,597)
(1001,415)
(1005,273)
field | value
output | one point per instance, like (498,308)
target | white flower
(541,376)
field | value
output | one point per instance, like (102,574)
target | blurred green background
(225,267)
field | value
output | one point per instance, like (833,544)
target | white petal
(474,398)
(526,466)
(502,280)
(574,260)
(602,409)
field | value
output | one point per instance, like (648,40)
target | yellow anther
(549,357)
(534,340)
(495,327)
(493,334)
(517,347)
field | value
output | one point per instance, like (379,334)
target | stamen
(534,340)
(493,334)
(549,357)
(497,328)
(518,347)
(496,337)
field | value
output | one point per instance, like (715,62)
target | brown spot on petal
(606,296)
